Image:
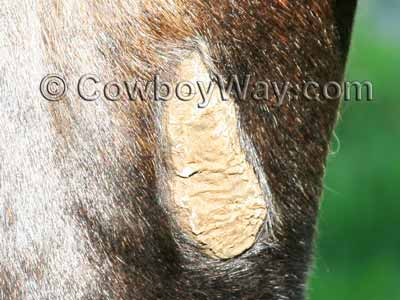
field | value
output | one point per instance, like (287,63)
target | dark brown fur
(107,162)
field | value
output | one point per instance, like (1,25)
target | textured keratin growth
(215,194)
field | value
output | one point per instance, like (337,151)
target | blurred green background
(358,246)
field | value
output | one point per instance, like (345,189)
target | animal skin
(87,187)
